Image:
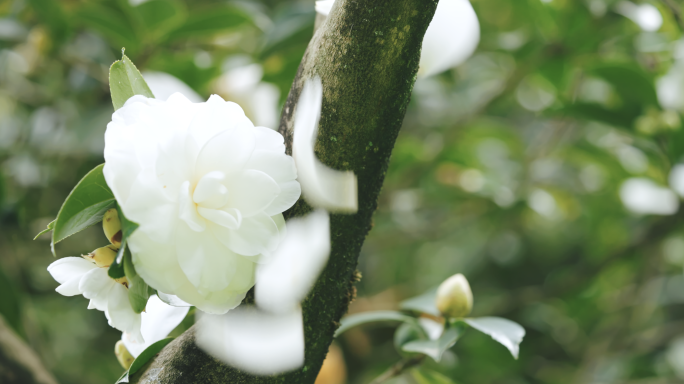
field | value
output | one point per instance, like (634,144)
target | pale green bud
(454,297)
(102,257)
(125,358)
(112,226)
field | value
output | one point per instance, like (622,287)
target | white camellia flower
(322,186)
(158,320)
(451,38)
(269,338)
(80,276)
(207,189)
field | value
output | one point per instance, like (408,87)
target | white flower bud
(454,297)
(102,257)
(112,226)
(122,354)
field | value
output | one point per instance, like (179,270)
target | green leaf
(160,16)
(125,81)
(425,303)
(509,333)
(373,317)
(50,227)
(138,291)
(407,333)
(630,82)
(435,348)
(110,22)
(426,376)
(143,358)
(85,206)
(210,21)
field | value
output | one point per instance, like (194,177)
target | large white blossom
(207,189)
(79,276)
(451,38)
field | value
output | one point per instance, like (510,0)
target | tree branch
(367,54)
(18,363)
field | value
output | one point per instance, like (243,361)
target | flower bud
(112,226)
(125,358)
(123,281)
(102,257)
(454,297)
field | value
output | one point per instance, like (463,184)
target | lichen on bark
(367,54)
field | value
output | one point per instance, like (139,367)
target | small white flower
(322,186)
(207,188)
(270,339)
(158,320)
(451,38)
(80,276)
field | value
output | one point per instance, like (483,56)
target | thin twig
(399,368)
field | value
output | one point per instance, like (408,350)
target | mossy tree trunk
(367,54)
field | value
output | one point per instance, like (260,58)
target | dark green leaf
(143,358)
(210,21)
(373,317)
(160,16)
(424,303)
(52,14)
(138,291)
(435,348)
(630,81)
(113,24)
(426,376)
(50,227)
(85,205)
(126,81)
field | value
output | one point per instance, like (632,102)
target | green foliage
(426,376)
(425,303)
(118,267)
(85,205)
(125,81)
(373,317)
(138,291)
(143,358)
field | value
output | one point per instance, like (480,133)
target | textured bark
(367,54)
(18,363)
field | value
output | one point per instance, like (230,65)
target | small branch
(18,363)
(397,369)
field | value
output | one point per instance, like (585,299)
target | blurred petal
(256,342)
(645,15)
(677,179)
(294,267)
(324,7)
(451,37)
(322,187)
(164,85)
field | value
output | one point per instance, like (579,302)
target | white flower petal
(254,341)
(157,321)
(149,206)
(510,334)
(269,140)
(219,117)
(121,315)
(251,191)
(207,263)
(67,268)
(256,234)
(70,288)
(231,219)
(188,210)
(172,300)
(451,38)
(324,6)
(289,194)
(96,286)
(294,267)
(322,187)
(643,196)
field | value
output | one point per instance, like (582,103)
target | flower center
(210,191)
(207,203)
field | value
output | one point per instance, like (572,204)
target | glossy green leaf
(125,81)
(426,376)
(630,82)
(85,205)
(424,303)
(50,227)
(407,333)
(160,16)
(138,291)
(373,317)
(211,21)
(509,333)
(435,348)
(143,358)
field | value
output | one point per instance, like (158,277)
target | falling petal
(451,37)
(322,187)
(283,283)
(254,341)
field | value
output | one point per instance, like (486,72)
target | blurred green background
(510,168)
